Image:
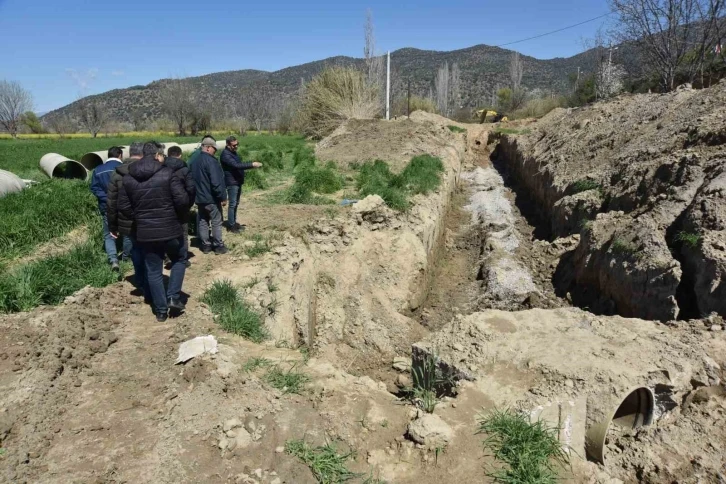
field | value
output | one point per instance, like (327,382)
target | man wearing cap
(211,197)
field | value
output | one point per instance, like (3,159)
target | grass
(287,381)
(42,212)
(585,185)
(531,451)
(456,129)
(420,176)
(233,313)
(502,130)
(50,280)
(253,364)
(326,464)
(622,247)
(689,239)
(262,245)
(427,384)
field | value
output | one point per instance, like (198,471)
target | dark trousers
(137,259)
(210,219)
(154,261)
(233,195)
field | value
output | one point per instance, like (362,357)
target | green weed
(689,239)
(531,450)
(420,176)
(326,464)
(256,180)
(303,156)
(233,313)
(288,381)
(456,129)
(50,280)
(262,245)
(270,159)
(253,364)
(621,247)
(585,185)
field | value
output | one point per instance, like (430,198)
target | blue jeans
(109,243)
(233,194)
(154,261)
(137,259)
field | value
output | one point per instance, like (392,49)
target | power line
(555,31)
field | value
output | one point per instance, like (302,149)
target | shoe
(176,304)
(233,230)
(115,266)
(221,250)
(162,317)
(206,249)
(188,264)
(239,227)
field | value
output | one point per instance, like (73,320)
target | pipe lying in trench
(58,166)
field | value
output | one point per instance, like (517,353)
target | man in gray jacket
(211,197)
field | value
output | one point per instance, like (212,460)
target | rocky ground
(90,391)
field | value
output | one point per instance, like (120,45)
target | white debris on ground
(196,347)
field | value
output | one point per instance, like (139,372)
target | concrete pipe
(10,183)
(58,166)
(625,410)
(94,159)
(189,147)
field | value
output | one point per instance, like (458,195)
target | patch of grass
(303,156)
(50,280)
(456,129)
(585,185)
(427,381)
(689,239)
(43,212)
(262,245)
(326,464)
(256,180)
(233,313)
(531,451)
(253,364)
(288,381)
(622,247)
(271,159)
(420,176)
(312,178)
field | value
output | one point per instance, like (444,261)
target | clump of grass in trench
(531,451)
(43,212)
(429,384)
(585,185)
(420,176)
(456,129)
(689,239)
(233,313)
(326,464)
(50,280)
(624,248)
(288,381)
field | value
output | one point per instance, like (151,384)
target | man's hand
(115,236)
(256,164)
(224,203)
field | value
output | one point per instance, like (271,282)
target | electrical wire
(555,31)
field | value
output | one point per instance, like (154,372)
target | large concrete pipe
(94,159)
(626,410)
(189,147)
(58,166)
(10,183)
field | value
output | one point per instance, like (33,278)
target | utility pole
(388,88)
(408,101)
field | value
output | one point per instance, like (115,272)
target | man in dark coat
(119,225)
(181,170)
(156,200)
(234,178)
(211,196)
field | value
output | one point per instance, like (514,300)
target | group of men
(146,199)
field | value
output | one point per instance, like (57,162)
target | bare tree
(256,106)
(516,71)
(14,102)
(609,80)
(177,99)
(61,125)
(92,115)
(441,84)
(455,87)
(675,35)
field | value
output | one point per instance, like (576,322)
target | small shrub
(256,180)
(319,180)
(271,159)
(290,381)
(456,129)
(326,464)
(689,239)
(429,385)
(420,176)
(221,294)
(585,185)
(531,451)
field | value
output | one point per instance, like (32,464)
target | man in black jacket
(120,225)
(234,178)
(211,196)
(181,170)
(156,199)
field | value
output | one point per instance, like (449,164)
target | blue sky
(59,49)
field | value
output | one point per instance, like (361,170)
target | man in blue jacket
(211,197)
(234,178)
(99,185)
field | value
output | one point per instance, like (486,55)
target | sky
(62,49)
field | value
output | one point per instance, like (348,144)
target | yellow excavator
(490,116)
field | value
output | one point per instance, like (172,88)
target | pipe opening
(91,161)
(70,169)
(636,410)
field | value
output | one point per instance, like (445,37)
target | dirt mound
(638,177)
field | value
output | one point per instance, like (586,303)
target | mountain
(483,69)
